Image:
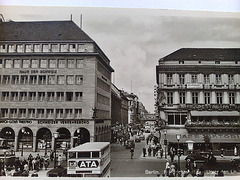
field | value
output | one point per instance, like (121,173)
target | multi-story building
(119,105)
(53,78)
(199,98)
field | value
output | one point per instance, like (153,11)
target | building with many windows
(53,78)
(198,97)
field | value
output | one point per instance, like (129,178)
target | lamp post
(165,143)
(55,135)
(23,132)
(78,136)
(178,136)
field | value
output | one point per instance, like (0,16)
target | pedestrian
(194,168)
(188,165)
(30,165)
(41,162)
(144,151)
(149,151)
(51,155)
(172,171)
(46,163)
(167,168)
(175,164)
(34,164)
(132,152)
(161,152)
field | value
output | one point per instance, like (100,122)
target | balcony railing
(212,125)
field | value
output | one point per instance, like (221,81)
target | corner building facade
(54,78)
(199,96)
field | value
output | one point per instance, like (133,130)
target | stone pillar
(71,141)
(189,98)
(213,98)
(200,78)
(16,144)
(212,78)
(225,79)
(53,143)
(201,97)
(225,97)
(176,97)
(237,98)
(34,144)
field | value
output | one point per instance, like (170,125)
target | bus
(91,159)
(6,154)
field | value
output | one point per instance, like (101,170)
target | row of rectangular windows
(42,79)
(195,98)
(44,48)
(41,96)
(41,113)
(194,79)
(200,62)
(42,63)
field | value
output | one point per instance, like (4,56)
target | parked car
(130,144)
(57,172)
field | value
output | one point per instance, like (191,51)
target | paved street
(123,166)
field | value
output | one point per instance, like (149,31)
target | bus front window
(95,154)
(84,155)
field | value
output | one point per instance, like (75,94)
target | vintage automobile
(209,162)
(137,139)
(130,144)
(57,172)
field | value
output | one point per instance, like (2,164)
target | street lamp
(55,135)
(78,136)
(23,132)
(165,142)
(178,136)
(190,145)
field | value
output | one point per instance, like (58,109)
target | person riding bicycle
(132,152)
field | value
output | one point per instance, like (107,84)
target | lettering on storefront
(16,121)
(63,122)
(214,136)
(44,122)
(209,107)
(38,71)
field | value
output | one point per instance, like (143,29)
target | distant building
(119,106)
(54,78)
(198,97)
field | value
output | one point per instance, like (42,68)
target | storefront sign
(37,71)
(210,106)
(44,122)
(16,121)
(213,136)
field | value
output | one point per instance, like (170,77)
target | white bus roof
(90,146)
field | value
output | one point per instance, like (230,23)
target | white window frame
(26,63)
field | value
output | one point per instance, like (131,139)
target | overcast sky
(134,39)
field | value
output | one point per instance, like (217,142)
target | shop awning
(198,137)
(214,113)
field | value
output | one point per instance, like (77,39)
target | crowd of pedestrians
(22,167)
(153,148)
